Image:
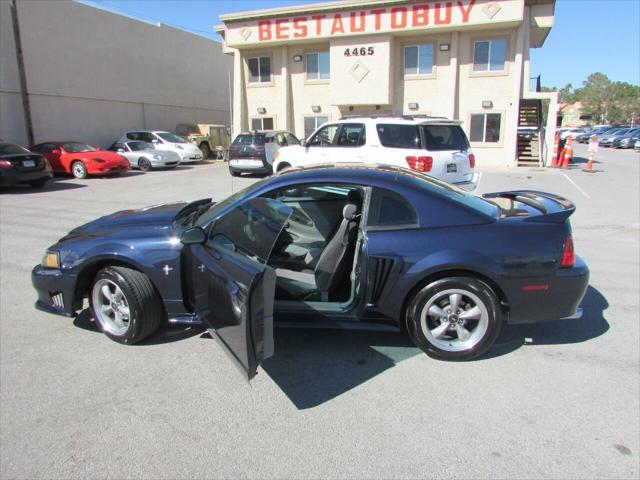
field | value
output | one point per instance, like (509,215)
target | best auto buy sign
(385,19)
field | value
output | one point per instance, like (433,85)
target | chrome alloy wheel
(78,170)
(111,307)
(454,320)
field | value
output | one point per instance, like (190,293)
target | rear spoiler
(552,208)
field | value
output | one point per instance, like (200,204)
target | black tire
(206,151)
(78,170)
(39,183)
(282,166)
(234,173)
(144,164)
(145,306)
(473,293)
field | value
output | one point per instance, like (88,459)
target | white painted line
(576,185)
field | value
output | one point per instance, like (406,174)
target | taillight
(472,160)
(6,164)
(568,256)
(420,164)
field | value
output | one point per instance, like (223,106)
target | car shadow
(54,185)
(314,366)
(592,325)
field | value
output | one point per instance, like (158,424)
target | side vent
(380,270)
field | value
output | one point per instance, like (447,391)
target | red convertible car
(80,159)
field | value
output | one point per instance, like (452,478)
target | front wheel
(144,164)
(456,318)
(125,305)
(206,151)
(78,170)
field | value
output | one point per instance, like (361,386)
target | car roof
(401,119)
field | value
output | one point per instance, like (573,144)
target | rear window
(10,149)
(422,137)
(256,140)
(445,137)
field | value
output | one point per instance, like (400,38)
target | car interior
(315,254)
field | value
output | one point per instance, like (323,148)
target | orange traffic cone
(556,146)
(568,152)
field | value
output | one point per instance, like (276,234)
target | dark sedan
(348,246)
(19,166)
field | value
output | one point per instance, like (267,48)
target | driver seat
(331,267)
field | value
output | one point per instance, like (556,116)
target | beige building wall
(93,74)
(453,89)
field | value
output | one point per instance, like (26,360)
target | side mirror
(193,236)
(120,150)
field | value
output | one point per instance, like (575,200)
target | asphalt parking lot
(553,400)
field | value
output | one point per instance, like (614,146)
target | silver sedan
(144,156)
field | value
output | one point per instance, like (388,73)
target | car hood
(130,222)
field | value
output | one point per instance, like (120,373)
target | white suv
(162,140)
(433,145)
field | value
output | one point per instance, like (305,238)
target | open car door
(232,287)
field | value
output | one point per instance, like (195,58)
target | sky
(588,35)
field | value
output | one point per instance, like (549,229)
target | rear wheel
(144,164)
(206,151)
(455,318)
(125,305)
(78,170)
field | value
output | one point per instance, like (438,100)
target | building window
(489,55)
(418,59)
(318,66)
(259,70)
(312,123)
(264,123)
(485,127)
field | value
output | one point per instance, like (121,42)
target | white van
(433,145)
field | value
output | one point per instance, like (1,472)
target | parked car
(344,246)
(626,141)
(573,132)
(636,145)
(144,155)
(81,160)
(254,152)
(19,166)
(209,138)
(607,139)
(586,136)
(162,140)
(431,145)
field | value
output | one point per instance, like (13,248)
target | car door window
(291,139)
(325,137)
(281,140)
(133,135)
(351,135)
(251,229)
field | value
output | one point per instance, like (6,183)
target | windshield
(11,149)
(78,147)
(138,146)
(216,208)
(170,137)
(445,137)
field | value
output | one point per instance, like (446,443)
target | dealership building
(298,67)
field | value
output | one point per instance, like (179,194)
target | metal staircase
(529,147)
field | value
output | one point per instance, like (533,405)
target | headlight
(98,160)
(157,157)
(51,260)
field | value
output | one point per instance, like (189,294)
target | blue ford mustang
(348,246)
